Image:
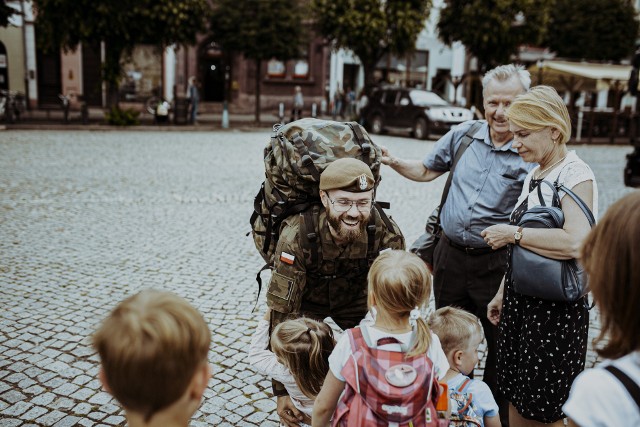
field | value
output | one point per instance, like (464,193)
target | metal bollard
(281,112)
(314,110)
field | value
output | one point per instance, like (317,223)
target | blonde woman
(542,344)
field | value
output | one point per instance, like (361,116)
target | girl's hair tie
(414,315)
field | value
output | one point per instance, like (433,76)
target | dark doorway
(49,77)
(4,67)
(350,76)
(91,75)
(211,72)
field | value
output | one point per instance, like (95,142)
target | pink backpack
(386,388)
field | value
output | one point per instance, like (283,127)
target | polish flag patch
(287,258)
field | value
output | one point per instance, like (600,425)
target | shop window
(301,69)
(276,69)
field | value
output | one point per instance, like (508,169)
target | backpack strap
(627,382)
(464,385)
(309,234)
(364,145)
(467,139)
(305,157)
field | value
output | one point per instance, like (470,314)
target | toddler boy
(460,334)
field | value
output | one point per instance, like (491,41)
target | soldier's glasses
(343,205)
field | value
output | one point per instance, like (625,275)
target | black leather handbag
(546,278)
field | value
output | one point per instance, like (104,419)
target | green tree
(372,28)
(492,30)
(260,30)
(6,11)
(593,29)
(121,25)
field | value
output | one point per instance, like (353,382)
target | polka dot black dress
(542,347)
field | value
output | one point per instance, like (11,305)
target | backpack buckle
(312,237)
(366,148)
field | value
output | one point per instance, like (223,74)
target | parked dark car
(417,111)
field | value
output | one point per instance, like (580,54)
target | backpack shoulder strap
(627,382)
(464,385)
(309,235)
(356,338)
(467,139)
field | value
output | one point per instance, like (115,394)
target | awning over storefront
(580,76)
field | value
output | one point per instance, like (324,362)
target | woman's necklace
(550,167)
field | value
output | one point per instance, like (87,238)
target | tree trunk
(258,77)
(111,72)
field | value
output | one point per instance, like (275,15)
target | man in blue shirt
(485,187)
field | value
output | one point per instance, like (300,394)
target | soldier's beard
(342,232)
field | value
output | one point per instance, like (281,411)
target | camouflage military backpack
(294,158)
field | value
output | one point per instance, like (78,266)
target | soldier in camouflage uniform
(332,280)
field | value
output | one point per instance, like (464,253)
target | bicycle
(12,104)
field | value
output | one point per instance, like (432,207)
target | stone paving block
(97,415)
(85,422)
(34,413)
(43,399)
(83,394)
(17,409)
(109,408)
(114,420)
(100,398)
(68,421)
(82,408)
(256,418)
(11,422)
(63,403)
(51,418)
(82,379)
(66,389)
(16,378)
(13,396)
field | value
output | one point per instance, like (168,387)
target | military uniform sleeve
(288,279)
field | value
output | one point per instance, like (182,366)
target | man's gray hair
(505,72)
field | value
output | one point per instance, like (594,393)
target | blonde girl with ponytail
(399,287)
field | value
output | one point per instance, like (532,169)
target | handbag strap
(556,199)
(467,139)
(627,382)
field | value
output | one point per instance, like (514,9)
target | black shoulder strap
(467,139)
(309,233)
(629,384)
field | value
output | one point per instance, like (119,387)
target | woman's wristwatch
(517,236)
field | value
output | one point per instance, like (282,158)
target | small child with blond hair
(297,355)
(153,351)
(460,334)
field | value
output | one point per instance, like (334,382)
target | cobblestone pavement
(88,218)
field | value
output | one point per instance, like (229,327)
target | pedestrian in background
(610,256)
(298,104)
(485,186)
(194,98)
(338,98)
(153,350)
(542,344)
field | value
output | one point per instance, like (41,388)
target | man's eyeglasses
(343,205)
